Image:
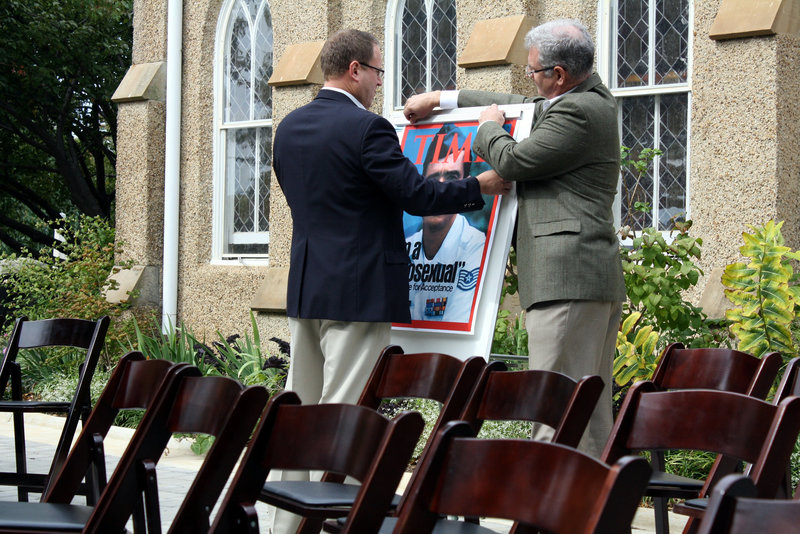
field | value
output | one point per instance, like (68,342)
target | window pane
(637,133)
(249,155)
(263,67)
(632,43)
(443,45)
(672,46)
(672,165)
(242,159)
(264,177)
(238,66)
(413,50)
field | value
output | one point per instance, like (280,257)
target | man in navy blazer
(347,183)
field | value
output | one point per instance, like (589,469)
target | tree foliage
(60,62)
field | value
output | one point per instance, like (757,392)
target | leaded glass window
(425,56)
(244,147)
(650,77)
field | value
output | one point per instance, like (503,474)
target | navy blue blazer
(347,183)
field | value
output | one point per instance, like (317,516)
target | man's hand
(420,106)
(493,184)
(492,113)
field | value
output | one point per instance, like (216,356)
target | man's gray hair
(563,42)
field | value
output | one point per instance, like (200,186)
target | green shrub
(764,293)
(69,279)
(241,359)
(510,336)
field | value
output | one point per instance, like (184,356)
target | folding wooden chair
(346,439)
(735,509)
(720,369)
(77,333)
(541,486)
(439,377)
(742,427)
(184,403)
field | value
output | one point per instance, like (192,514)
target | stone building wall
(744,164)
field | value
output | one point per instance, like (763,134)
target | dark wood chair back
(735,509)
(716,368)
(543,486)
(427,375)
(349,440)
(77,333)
(538,396)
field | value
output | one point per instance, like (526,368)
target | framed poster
(457,260)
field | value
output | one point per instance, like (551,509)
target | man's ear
(353,69)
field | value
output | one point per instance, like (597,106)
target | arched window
(421,48)
(648,49)
(243,130)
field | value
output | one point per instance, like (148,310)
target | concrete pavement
(176,470)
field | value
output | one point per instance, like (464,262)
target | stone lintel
(497,42)
(753,18)
(299,65)
(145,81)
(271,295)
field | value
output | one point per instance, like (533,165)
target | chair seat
(34,406)
(673,486)
(660,479)
(443,526)
(692,507)
(326,494)
(43,516)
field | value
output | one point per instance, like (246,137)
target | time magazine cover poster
(448,253)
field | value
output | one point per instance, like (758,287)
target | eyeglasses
(530,71)
(376,69)
(446,176)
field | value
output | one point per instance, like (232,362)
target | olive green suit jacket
(566,172)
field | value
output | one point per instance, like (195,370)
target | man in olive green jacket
(570,274)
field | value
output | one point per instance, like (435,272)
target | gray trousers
(576,338)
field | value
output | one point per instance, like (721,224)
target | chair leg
(310,525)
(662,515)
(691,525)
(19,437)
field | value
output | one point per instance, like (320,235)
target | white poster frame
(479,341)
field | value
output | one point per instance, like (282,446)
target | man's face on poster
(451,168)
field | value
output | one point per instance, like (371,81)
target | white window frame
(607,68)
(222,207)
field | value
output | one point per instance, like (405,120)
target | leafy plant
(636,355)
(635,164)
(230,356)
(656,274)
(510,336)
(763,292)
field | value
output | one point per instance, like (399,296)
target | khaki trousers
(330,363)
(576,338)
